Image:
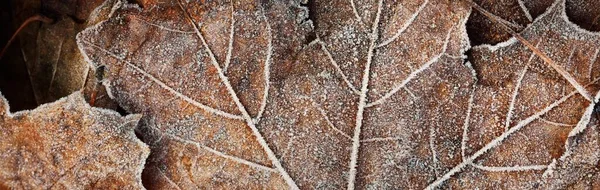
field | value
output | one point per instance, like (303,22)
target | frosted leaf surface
(523,110)
(365,94)
(69,145)
(518,14)
(579,168)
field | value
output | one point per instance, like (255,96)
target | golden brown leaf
(69,145)
(364,94)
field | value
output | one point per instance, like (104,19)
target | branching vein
(513,99)
(414,74)
(525,10)
(498,140)
(324,115)
(538,52)
(223,155)
(249,121)
(405,25)
(355,11)
(166,87)
(363,99)
(336,66)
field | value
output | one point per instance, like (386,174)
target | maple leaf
(236,95)
(68,144)
(216,117)
(533,94)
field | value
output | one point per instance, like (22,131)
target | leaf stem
(29,20)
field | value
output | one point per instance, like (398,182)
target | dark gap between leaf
(311,5)
(137,2)
(584,13)
(122,111)
(15,83)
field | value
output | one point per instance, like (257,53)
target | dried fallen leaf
(55,66)
(517,14)
(579,168)
(238,95)
(163,70)
(69,145)
(523,111)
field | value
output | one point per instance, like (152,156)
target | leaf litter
(366,95)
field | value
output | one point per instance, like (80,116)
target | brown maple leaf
(528,107)
(238,95)
(69,145)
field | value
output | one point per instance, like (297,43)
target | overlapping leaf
(239,95)
(199,72)
(518,14)
(69,145)
(523,109)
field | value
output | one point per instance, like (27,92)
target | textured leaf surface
(523,110)
(240,95)
(69,145)
(55,66)
(518,14)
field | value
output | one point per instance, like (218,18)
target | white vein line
(230,44)
(513,99)
(570,58)
(556,123)
(355,11)
(336,66)
(432,146)
(168,88)
(585,118)
(324,115)
(538,52)
(223,155)
(569,77)
(497,141)
(465,135)
(245,115)
(510,168)
(162,27)
(267,72)
(287,147)
(413,74)
(525,10)
(363,100)
(381,139)
(236,159)
(143,88)
(592,61)
(410,93)
(54,65)
(405,25)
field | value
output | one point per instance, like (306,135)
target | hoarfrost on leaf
(368,94)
